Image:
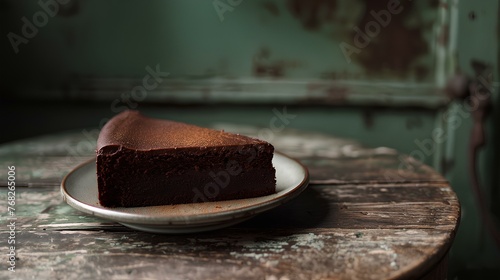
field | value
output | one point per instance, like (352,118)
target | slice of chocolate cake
(144,162)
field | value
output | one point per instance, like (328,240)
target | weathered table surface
(368,214)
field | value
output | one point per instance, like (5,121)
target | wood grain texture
(360,225)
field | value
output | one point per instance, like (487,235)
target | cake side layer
(129,178)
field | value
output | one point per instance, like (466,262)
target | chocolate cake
(143,162)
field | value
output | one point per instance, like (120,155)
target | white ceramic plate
(79,190)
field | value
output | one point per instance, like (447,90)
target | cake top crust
(132,130)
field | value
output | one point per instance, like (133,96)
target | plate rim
(225,215)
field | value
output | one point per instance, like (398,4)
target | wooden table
(369,213)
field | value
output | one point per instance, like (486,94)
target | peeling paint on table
(353,224)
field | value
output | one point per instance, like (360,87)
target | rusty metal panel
(383,52)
